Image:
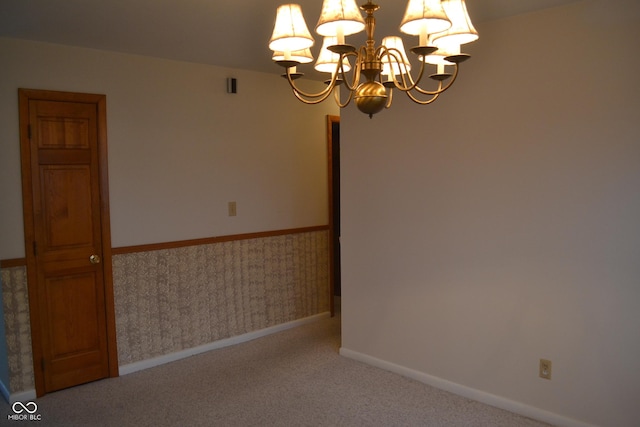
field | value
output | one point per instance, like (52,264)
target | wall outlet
(232,209)
(545,369)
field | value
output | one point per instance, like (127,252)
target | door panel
(62,132)
(70,293)
(68,222)
(73,325)
(75,336)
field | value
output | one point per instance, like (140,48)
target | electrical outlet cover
(545,369)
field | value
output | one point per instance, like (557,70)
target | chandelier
(370,73)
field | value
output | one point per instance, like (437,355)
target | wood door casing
(65,193)
(333,155)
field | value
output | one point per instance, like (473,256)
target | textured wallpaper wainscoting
(174,299)
(15,300)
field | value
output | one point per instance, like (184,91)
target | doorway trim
(24,96)
(331,120)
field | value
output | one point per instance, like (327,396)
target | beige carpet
(293,378)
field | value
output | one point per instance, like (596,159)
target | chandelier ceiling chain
(441,26)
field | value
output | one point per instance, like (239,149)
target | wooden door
(63,141)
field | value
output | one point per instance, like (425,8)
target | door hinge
(29,131)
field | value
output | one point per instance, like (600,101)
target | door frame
(26,95)
(332,243)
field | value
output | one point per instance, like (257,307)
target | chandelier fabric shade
(369,74)
(327,61)
(303,56)
(444,51)
(424,17)
(290,32)
(339,18)
(400,63)
(461,30)
(443,56)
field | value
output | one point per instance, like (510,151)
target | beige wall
(180,147)
(499,225)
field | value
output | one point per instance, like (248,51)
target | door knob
(94,259)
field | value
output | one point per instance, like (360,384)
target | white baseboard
(468,392)
(172,357)
(24,396)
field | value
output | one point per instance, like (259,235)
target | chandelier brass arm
(350,86)
(393,82)
(309,98)
(402,85)
(441,78)
(423,102)
(338,77)
(341,104)
(357,70)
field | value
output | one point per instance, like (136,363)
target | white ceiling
(229,33)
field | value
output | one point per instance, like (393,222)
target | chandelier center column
(371,65)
